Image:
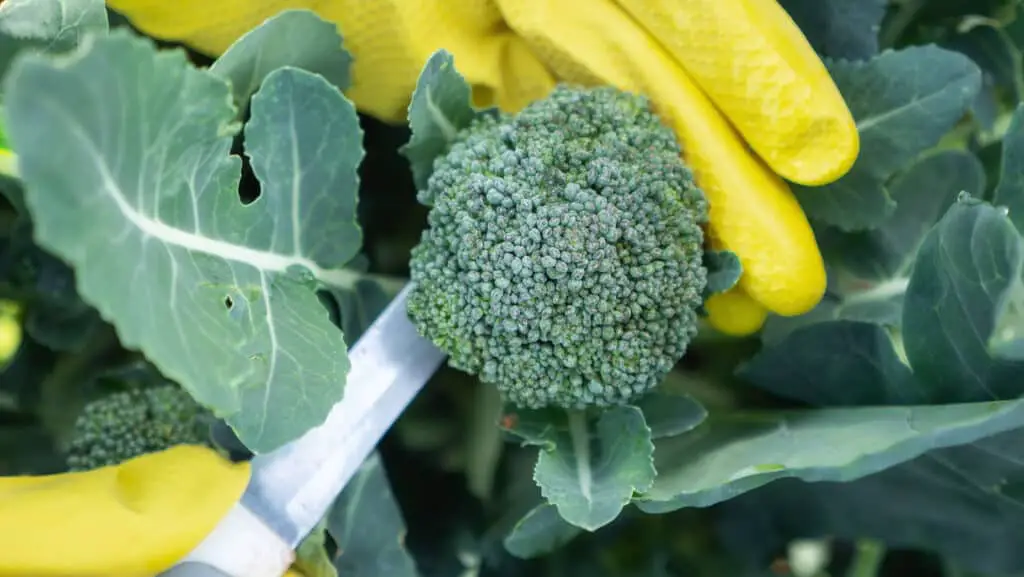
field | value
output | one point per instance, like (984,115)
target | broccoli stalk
(563,258)
(127,424)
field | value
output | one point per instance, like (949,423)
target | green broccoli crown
(562,261)
(128,424)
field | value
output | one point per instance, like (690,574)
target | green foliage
(839,28)
(296,38)
(440,108)
(563,262)
(900,113)
(245,275)
(127,424)
(192,246)
(368,528)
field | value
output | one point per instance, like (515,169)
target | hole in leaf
(248,184)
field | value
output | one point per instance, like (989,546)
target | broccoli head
(562,261)
(127,424)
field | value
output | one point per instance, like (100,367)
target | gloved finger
(10,331)
(755,64)
(390,41)
(136,518)
(752,211)
(734,313)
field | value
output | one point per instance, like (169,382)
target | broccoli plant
(126,424)
(234,225)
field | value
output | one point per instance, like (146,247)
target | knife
(291,488)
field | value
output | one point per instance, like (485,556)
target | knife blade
(292,487)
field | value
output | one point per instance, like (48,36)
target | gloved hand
(744,91)
(135,519)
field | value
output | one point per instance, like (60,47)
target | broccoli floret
(562,262)
(128,424)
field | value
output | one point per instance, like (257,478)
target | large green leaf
(833,364)
(732,453)
(366,524)
(839,28)
(903,102)
(143,203)
(963,503)
(296,38)
(965,268)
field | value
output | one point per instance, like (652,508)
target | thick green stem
(895,26)
(867,559)
(63,393)
(580,436)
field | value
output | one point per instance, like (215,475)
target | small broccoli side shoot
(563,257)
(128,424)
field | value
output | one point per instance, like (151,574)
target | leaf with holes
(143,204)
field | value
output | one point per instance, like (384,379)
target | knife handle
(241,545)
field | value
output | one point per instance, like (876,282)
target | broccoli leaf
(296,38)
(50,26)
(53,25)
(732,453)
(840,363)
(367,526)
(539,532)
(54,313)
(311,557)
(724,271)
(962,502)
(1009,192)
(966,266)
(869,270)
(903,102)
(839,28)
(442,105)
(143,205)
(993,51)
(589,469)
(668,414)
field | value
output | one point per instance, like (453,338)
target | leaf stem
(867,559)
(581,449)
(880,292)
(894,27)
(64,392)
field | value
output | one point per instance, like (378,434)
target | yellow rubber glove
(10,331)
(135,519)
(736,79)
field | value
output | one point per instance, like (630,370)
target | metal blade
(292,487)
